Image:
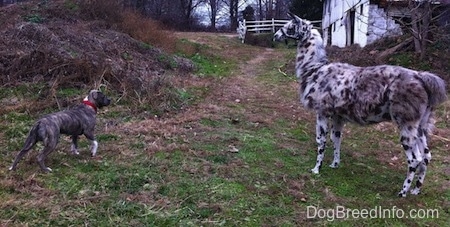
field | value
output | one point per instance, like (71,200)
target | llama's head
(298,29)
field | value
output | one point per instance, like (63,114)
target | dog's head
(98,98)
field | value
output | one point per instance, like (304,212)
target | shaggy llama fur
(365,95)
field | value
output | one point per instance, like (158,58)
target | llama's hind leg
(336,132)
(420,177)
(321,138)
(413,155)
(423,147)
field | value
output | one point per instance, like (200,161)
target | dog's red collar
(90,104)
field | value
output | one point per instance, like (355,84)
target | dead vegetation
(64,45)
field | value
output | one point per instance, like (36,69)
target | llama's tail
(435,87)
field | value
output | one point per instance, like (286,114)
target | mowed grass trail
(239,155)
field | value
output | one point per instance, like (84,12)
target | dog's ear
(94,94)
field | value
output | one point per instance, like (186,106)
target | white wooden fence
(262,26)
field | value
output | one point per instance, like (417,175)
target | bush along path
(239,154)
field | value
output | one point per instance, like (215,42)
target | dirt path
(242,96)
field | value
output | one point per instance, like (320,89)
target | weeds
(34,18)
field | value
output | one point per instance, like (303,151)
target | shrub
(261,39)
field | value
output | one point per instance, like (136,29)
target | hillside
(216,137)
(58,46)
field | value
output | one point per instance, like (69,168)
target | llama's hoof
(415,191)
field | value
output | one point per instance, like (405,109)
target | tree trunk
(213,4)
(420,25)
(233,14)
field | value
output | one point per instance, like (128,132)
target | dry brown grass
(147,30)
(129,21)
(82,45)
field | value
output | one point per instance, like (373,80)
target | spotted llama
(340,93)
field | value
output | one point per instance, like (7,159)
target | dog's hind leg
(74,146)
(336,132)
(413,155)
(49,146)
(321,138)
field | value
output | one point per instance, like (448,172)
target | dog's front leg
(94,146)
(321,138)
(74,146)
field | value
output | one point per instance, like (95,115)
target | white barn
(347,22)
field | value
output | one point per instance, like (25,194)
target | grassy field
(238,155)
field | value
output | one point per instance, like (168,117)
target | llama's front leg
(413,155)
(336,132)
(321,138)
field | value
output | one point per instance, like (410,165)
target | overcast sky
(222,16)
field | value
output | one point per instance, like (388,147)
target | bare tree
(177,13)
(233,11)
(423,22)
(213,9)
(281,8)
(420,24)
(187,7)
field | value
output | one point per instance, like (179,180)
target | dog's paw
(402,194)
(12,168)
(47,170)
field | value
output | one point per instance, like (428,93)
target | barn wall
(355,22)
(380,25)
(336,21)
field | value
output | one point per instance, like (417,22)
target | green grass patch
(211,65)
(410,61)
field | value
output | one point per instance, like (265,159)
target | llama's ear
(295,17)
(291,15)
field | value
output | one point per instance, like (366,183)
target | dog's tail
(32,139)
(435,87)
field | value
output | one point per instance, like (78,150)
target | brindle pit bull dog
(79,120)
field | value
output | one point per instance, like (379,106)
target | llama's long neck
(310,55)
